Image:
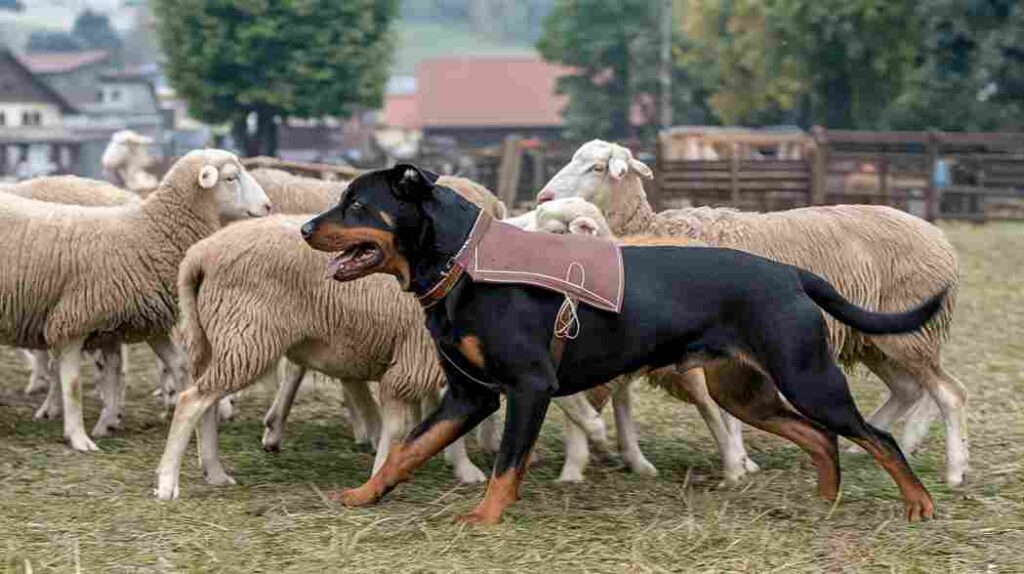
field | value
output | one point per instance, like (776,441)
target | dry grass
(60,510)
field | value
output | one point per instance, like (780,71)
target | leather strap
(563,330)
(442,288)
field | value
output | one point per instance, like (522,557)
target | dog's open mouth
(355,261)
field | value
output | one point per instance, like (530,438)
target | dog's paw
(354,497)
(477,518)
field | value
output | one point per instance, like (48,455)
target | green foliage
(613,45)
(276,58)
(93,29)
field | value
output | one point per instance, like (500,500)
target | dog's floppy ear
(411,183)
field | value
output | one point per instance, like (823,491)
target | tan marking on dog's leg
(472,349)
(502,491)
(404,458)
(916,500)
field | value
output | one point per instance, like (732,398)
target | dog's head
(382,221)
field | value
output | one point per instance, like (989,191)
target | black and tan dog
(755,325)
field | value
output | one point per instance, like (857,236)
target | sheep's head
(127,148)
(219,174)
(593,173)
(567,215)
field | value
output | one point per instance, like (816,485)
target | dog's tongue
(336,263)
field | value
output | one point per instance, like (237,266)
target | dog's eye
(356,206)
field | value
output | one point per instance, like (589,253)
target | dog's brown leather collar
(456,268)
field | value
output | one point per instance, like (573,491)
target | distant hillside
(420,40)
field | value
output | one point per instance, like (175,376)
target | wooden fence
(767,171)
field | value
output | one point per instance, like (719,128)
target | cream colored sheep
(72,190)
(126,159)
(102,273)
(877,257)
(295,194)
(576,215)
(255,292)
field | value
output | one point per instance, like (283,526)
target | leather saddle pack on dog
(584,269)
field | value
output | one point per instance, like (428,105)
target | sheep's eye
(598,167)
(232,178)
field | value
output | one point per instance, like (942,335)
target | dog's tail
(873,323)
(190,279)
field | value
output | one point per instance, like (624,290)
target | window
(31,118)
(115,95)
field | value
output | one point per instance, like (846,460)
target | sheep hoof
(570,476)
(219,478)
(643,467)
(82,443)
(956,479)
(750,465)
(271,439)
(167,489)
(469,474)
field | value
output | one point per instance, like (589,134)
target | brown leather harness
(584,269)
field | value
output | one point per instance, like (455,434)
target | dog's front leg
(464,405)
(527,403)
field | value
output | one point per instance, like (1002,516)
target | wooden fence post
(654,193)
(819,166)
(509,168)
(734,175)
(883,179)
(931,194)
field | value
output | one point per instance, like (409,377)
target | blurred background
(757,105)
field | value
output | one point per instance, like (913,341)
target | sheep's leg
(41,371)
(51,408)
(951,396)
(919,421)
(191,406)
(273,423)
(112,387)
(577,453)
(579,411)
(489,434)
(71,395)
(625,428)
(904,393)
(455,454)
(395,413)
(735,427)
(358,395)
(175,362)
(209,453)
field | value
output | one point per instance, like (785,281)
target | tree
(612,45)
(93,29)
(273,59)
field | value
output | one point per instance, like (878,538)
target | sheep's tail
(190,279)
(873,323)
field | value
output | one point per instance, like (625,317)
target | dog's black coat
(682,306)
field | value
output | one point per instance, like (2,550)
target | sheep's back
(73,190)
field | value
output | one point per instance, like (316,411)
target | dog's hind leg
(747,395)
(822,395)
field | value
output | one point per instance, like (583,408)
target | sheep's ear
(617,168)
(208,176)
(584,225)
(411,183)
(640,168)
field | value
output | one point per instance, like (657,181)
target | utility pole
(665,66)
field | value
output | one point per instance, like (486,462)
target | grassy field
(61,510)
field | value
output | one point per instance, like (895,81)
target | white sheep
(78,276)
(126,159)
(254,293)
(876,257)
(295,194)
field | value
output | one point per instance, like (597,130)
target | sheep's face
(237,194)
(592,173)
(362,230)
(560,216)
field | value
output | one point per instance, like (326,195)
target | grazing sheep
(126,159)
(255,292)
(77,277)
(576,215)
(876,257)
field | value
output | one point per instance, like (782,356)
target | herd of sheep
(208,268)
